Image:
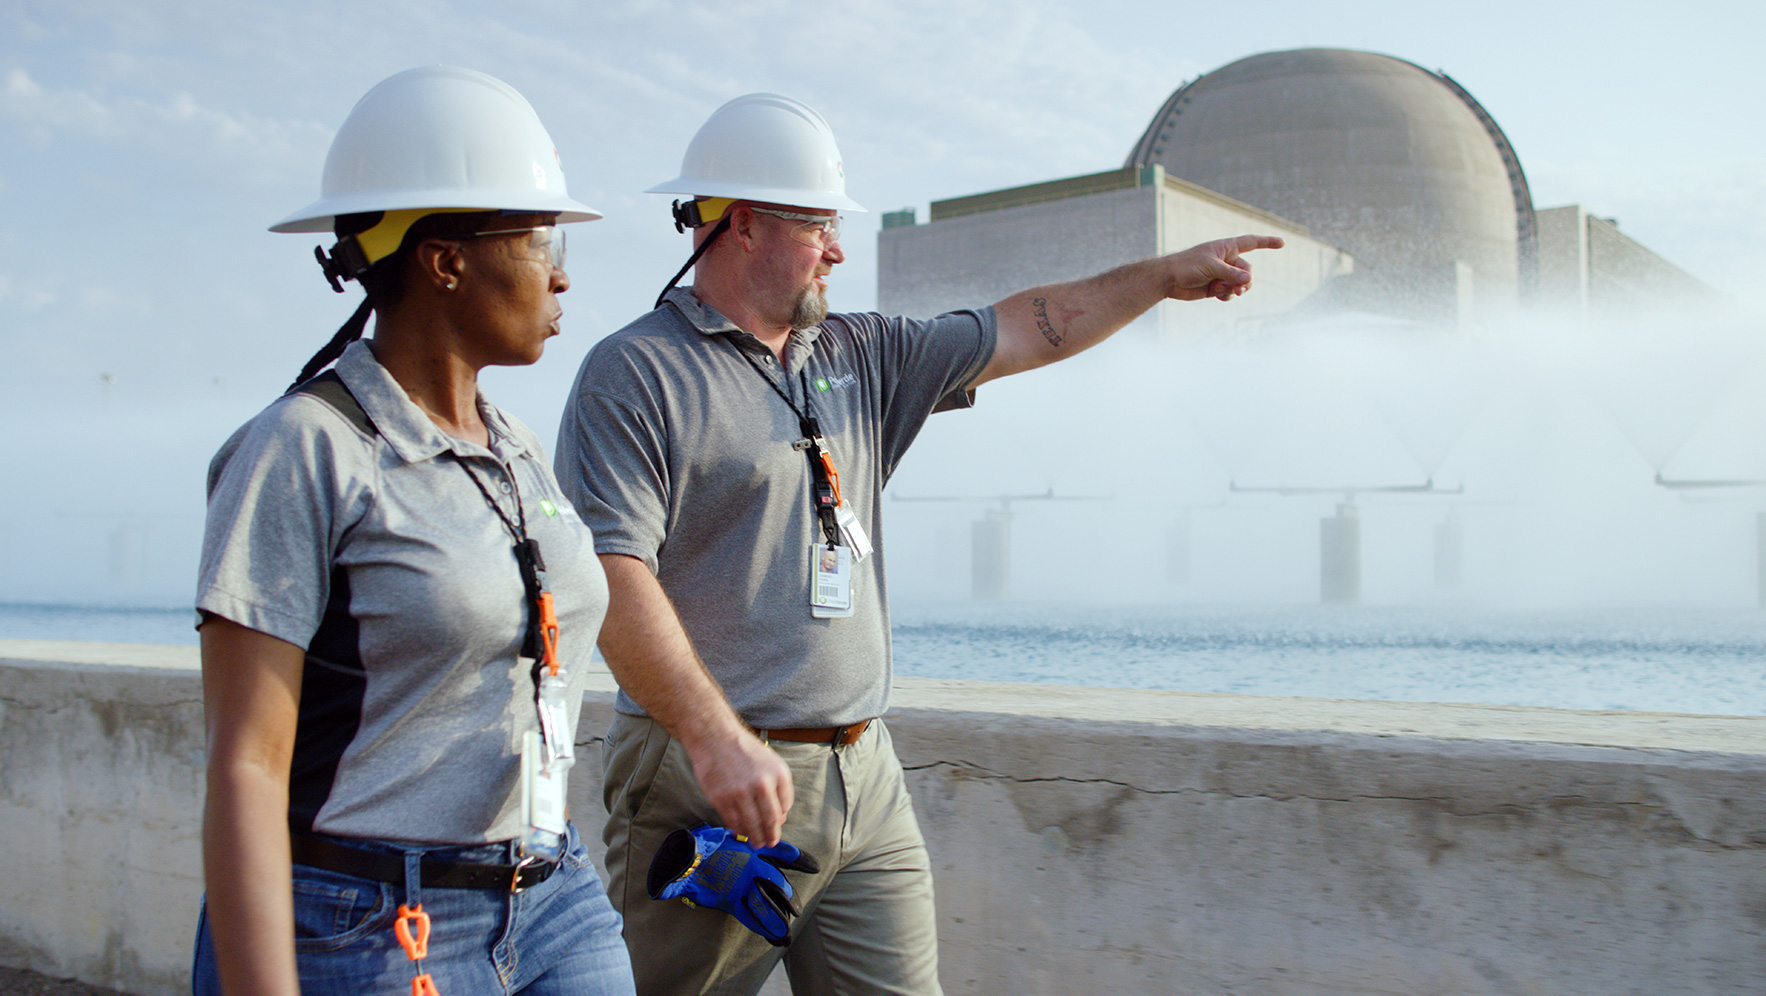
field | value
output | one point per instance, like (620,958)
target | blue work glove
(712,866)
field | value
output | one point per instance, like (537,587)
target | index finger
(1246,243)
(769,820)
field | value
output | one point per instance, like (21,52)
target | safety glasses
(547,241)
(818,231)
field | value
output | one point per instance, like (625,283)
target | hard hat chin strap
(349,332)
(723,225)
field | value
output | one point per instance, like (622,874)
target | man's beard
(810,309)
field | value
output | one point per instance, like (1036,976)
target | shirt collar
(404,426)
(710,321)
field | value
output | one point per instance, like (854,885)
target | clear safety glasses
(818,231)
(548,241)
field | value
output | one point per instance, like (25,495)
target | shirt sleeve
(279,491)
(611,460)
(925,366)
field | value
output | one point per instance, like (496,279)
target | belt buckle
(840,736)
(515,886)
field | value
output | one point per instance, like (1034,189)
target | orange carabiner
(548,631)
(423,985)
(415,947)
(833,476)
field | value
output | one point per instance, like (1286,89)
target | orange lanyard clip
(548,631)
(833,475)
(417,946)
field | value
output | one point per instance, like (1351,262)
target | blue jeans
(559,937)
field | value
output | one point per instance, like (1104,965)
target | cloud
(41,113)
(173,122)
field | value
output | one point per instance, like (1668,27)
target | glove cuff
(674,861)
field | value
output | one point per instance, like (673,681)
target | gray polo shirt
(678,453)
(377,553)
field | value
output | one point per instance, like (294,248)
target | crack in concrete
(1444,803)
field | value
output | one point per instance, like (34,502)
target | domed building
(1397,165)
(1399,196)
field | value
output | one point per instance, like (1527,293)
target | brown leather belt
(835,736)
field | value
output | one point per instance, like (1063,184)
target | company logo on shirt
(825,385)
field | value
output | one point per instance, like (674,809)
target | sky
(145,146)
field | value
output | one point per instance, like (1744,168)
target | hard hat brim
(790,196)
(319,215)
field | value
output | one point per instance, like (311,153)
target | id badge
(555,718)
(830,581)
(542,800)
(853,531)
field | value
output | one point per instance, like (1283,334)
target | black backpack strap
(329,388)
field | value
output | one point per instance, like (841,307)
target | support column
(1760,554)
(1449,553)
(990,554)
(1339,556)
(1177,551)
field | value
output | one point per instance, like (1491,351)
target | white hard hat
(764,147)
(440,137)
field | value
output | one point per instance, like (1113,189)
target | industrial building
(1399,195)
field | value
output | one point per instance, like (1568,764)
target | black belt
(378,866)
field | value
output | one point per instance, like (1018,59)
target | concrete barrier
(1085,840)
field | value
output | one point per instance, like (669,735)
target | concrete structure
(1398,192)
(1398,165)
(1590,269)
(977,250)
(1086,840)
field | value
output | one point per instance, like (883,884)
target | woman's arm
(251,698)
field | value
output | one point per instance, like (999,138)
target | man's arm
(650,655)
(1045,324)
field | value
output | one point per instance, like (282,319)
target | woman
(397,602)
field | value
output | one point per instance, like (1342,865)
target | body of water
(1700,661)
(1680,660)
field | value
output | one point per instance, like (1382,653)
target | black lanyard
(825,494)
(541,642)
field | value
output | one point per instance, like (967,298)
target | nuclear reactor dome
(1396,164)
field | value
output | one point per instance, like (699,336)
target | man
(722,447)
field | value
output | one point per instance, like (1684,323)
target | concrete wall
(1003,242)
(1588,268)
(1085,840)
(977,259)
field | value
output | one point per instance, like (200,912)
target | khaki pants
(868,923)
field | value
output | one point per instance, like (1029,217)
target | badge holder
(547,754)
(830,581)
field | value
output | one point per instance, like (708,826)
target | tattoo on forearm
(1040,308)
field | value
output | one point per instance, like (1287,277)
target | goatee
(811,308)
